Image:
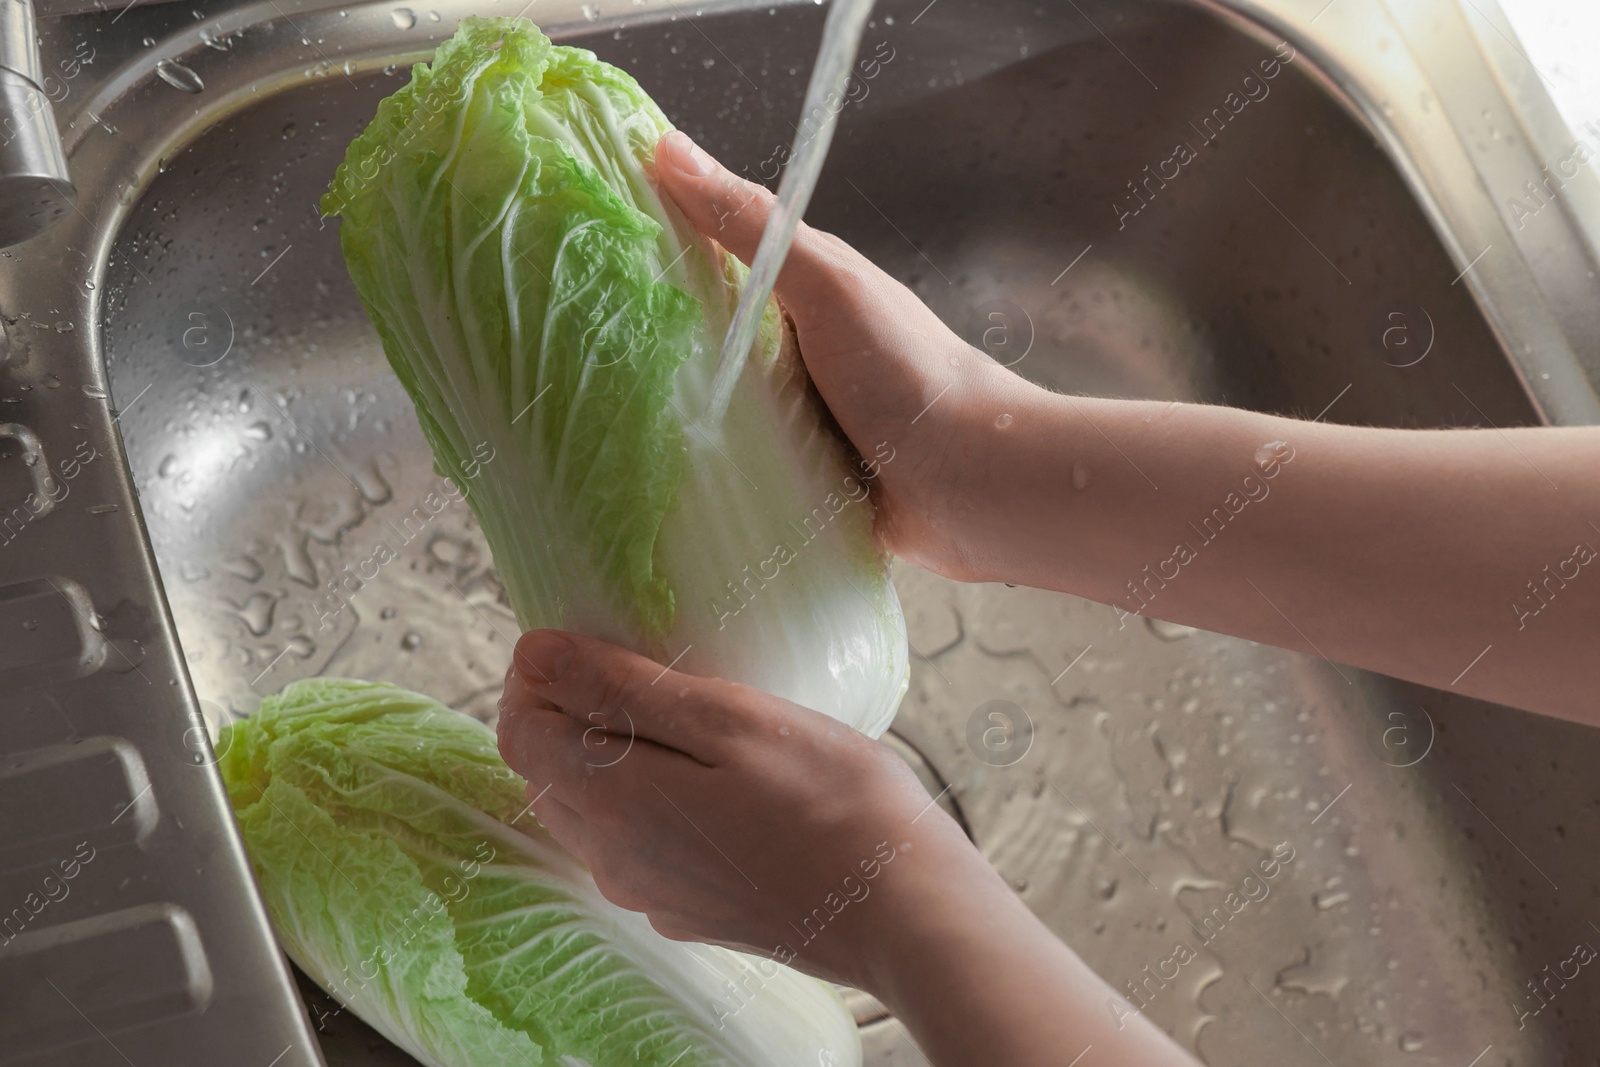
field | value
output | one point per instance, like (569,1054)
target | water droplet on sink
(411,641)
(371,483)
(1002,421)
(1410,1041)
(403,17)
(256,612)
(94,392)
(1170,408)
(64,326)
(453,552)
(1317,974)
(179,76)
(591,12)
(246,567)
(101,509)
(297,562)
(259,431)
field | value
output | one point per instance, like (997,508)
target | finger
(734,212)
(517,701)
(617,882)
(519,695)
(545,747)
(671,930)
(628,695)
(697,927)
(564,825)
(562,758)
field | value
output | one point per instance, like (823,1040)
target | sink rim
(138,153)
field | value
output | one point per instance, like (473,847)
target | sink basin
(1018,166)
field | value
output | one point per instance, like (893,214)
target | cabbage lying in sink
(557,325)
(403,874)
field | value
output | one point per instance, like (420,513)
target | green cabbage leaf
(557,323)
(403,873)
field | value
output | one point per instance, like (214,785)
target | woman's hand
(887,367)
(1451,558)
(730,816)
(724,814)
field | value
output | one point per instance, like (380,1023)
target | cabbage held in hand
(403,874)
(557,325)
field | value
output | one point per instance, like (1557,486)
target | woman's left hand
(723,813)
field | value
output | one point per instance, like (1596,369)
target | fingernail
(686,155)
(542,656)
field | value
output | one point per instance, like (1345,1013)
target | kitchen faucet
(35,190)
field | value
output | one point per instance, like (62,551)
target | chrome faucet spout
(35,189)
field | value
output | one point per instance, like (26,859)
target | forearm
(1406,552)
(977,978)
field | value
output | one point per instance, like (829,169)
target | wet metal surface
(1281,859)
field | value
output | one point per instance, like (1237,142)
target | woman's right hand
(888,369)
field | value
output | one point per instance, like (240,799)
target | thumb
(734,213)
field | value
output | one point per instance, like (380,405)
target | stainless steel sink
(1017,165)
